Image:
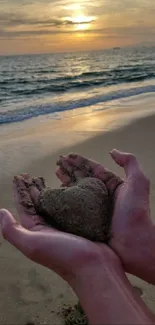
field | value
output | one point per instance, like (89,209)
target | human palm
(130,199)
(63,253)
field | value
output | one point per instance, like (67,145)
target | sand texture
(82,209)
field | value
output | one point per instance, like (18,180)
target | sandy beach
(29,292)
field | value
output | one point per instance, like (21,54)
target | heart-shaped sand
(82,209)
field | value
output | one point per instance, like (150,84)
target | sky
(46,26)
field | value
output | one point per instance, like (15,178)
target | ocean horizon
(49,84)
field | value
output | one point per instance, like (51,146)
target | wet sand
(29,292)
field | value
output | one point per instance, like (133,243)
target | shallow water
(36,85)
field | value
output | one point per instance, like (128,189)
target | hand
(93,270)
(63,253)
(131,222)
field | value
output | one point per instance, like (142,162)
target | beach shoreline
(24,142)
(29,291)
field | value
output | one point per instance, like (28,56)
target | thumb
(8,224)
(128,161)
(14,233)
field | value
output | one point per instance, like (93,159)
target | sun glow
(82,19)
(82,22)
(82,26)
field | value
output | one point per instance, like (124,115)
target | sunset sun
(82,22)
(81,19)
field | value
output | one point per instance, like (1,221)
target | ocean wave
(42,85)
(34,111)
(44,71)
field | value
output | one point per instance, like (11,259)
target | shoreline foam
(22,143)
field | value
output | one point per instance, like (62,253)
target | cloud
(116,19)
(118,32)
(10,20)
(112,7)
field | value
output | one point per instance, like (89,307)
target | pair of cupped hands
(67,254)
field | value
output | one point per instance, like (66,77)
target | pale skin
(94,271)
(133,230)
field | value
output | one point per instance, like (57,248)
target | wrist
(102,261)
(106,295)
(90,285)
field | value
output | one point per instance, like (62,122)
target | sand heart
(82,209)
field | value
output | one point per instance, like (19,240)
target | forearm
(107,297)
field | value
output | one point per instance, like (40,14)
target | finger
(39,183)
(129,163)
(22,196)
(69,173)
(82,163)
(15,234)
(34,185)
(65,179)
(69,180)
(89,167)
(24,203)
(63,163)
(84,167)
(39,246)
